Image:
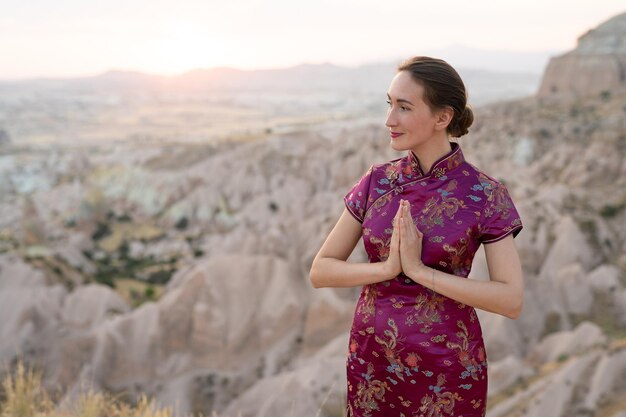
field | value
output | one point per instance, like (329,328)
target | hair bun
(461,123)
(443,87)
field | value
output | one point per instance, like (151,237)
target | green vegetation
(124,218)
(136,292)
(162,276)
(544,133)
(552,324)
(112,259)
(102,230)
(182,223)
(609,211)
(604,314)
(121,265)
(590,229)
(605,95)
(7,241)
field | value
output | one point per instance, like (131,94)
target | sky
(68,38)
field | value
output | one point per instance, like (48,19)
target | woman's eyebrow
(401,100)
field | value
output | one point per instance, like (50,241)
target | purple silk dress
(414,352)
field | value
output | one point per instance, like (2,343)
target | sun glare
(185,50)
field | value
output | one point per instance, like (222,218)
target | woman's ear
(444,117)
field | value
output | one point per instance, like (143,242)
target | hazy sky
(85,37)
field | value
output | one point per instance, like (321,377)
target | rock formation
(596,66)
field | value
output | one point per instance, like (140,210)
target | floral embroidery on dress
(458,260)
(414,352)
(462,349)
(379,204)
(391,351)
(426,312)
(496,197)
(435,208)
(367,305)
(383,247)
(370,392)
(442,401)
(393,172)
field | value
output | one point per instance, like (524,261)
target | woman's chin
(396,146)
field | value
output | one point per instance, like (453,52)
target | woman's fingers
(406,216)
(409,227)
(404,221)
(396,226)
(398,213)
(407,209)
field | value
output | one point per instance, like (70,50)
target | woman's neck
(428,153)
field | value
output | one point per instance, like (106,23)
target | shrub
(182,223)
(102,230)
(160,277)
(551,324)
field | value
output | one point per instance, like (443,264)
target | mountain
(374,77)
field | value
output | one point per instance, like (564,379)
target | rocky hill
(596,66)
(182,270)
(238,319)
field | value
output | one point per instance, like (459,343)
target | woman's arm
(503,294)
(330,268)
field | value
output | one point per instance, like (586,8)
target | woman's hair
(443,87)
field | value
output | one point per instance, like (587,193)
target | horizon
(437,54)
(71,39)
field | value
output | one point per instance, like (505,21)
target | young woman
(416,345)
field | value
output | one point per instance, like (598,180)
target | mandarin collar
(449,161)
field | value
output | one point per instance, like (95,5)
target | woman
(416,345)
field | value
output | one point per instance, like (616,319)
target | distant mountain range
(510,68)
(484,86)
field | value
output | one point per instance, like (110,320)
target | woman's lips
(395,134)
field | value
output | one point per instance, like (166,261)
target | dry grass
(23,396)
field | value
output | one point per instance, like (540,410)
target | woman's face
(410,121)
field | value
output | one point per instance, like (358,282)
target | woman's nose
(391,121)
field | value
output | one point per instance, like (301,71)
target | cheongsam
(413,352)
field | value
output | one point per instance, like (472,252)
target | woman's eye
(403,108)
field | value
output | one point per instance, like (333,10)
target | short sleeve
(356,198)
(499,217)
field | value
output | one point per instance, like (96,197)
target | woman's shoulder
(391,173)
(382,166)
(394,167)
(482,175)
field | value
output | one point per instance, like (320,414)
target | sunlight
(185,49)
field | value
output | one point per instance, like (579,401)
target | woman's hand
(410,243)
(393,265)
